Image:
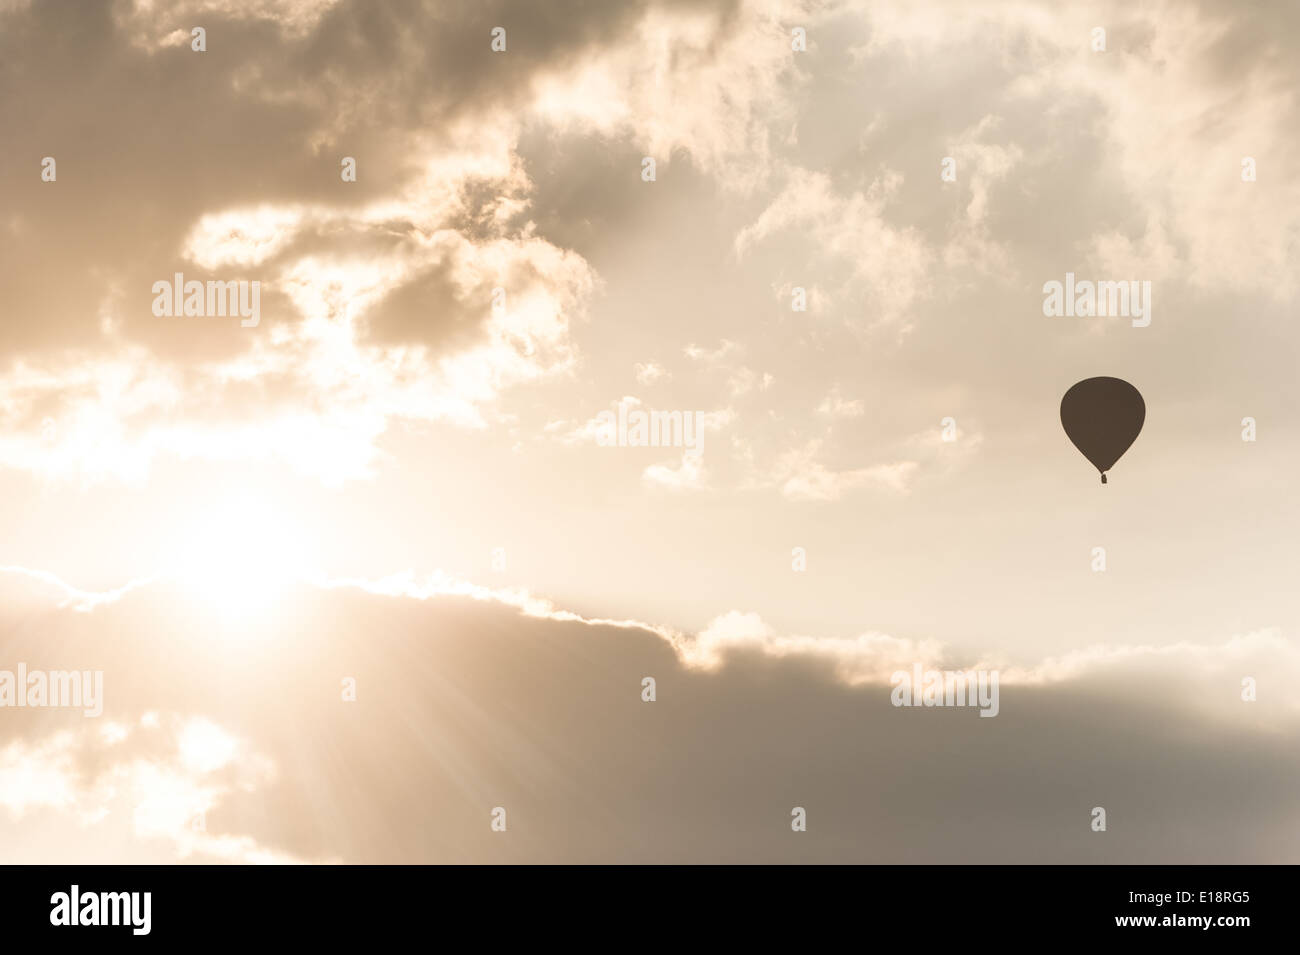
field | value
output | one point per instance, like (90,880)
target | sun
(238,556)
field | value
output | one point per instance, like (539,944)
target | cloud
(81,601)
(497,698)
(801,477)
(887,264)
(834,405)
(1174,81)
(711,80)
(113,416)
(688,476)
(378,293)
(867,658)
(157,781)
(169,24)
(650,372)
(724,350)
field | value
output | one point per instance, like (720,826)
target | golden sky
(396,475)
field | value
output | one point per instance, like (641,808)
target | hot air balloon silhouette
(1103,417)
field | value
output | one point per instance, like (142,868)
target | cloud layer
(464,703)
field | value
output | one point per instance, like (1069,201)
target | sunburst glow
(238,556)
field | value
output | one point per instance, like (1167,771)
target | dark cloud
(464,706)
(149,139)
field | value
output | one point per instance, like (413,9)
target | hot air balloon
(1103,417)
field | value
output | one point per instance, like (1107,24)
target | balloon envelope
(1103,417)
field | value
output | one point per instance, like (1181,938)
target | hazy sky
(394,476)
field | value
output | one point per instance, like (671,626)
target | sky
(820,230)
